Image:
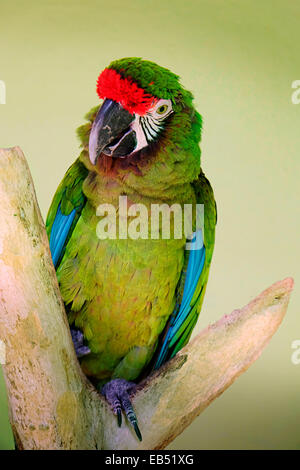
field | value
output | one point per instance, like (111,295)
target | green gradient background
(239,58)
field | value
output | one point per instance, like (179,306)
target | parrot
(132,302)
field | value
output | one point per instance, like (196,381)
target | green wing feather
(175,337)
(204,195)
(65,210)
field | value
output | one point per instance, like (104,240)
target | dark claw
(116,393)
(78,338)
(119,413)
(137,431)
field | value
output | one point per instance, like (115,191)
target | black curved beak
(111,133)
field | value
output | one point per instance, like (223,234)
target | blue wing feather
(65,210)
(59,233)
(184,317)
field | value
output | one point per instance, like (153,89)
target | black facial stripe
(149,124)
(152,125)
(145,131)
(158,125)
(150,130)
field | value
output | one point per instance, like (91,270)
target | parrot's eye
(162,109)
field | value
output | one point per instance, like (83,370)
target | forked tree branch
(52,405)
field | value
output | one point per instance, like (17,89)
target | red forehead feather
(125,91)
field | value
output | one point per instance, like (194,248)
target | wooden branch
(52,405)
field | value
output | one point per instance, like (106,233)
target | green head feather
(154,79)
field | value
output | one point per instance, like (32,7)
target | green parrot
(132,302)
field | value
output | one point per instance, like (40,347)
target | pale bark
(51,403)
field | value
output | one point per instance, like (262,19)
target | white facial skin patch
(148,127)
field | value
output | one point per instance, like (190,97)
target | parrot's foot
(80,349)
(117,393)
